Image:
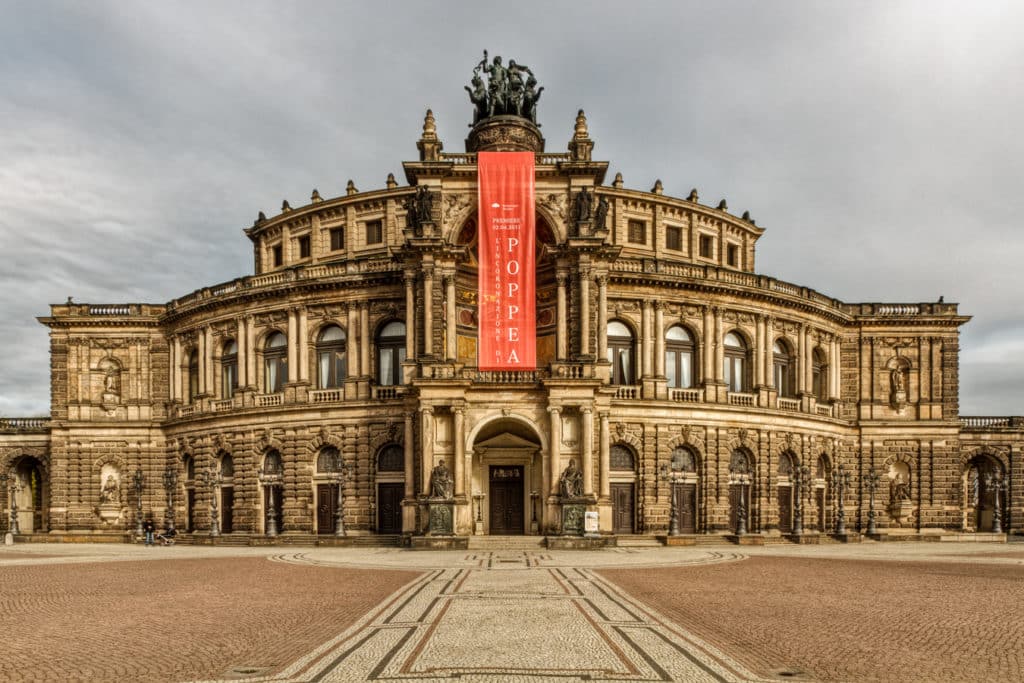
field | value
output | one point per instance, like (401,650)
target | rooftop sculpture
(507,93)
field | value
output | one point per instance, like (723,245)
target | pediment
(506,441)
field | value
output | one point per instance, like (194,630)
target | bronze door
(227,509)
(326,506)
(686,499)
(389,508)
(786,509)
(506,513)
(623,508)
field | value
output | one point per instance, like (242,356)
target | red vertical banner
(507,285)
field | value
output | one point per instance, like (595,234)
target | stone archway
(983,497)
(507,479)
(30,490)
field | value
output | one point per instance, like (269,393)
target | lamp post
(214,479)
(801,476)
(479,498)
(12,494)
(271,480)
(170,483)
(138,481)
(871,481)
(842,479)
(534,495)
(343,470)
(667,473)
(993,482)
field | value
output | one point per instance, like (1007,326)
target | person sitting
(167,537)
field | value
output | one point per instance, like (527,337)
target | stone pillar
(833,369)
(759,352)
(410,471)
(176,368)
(428,310)
(585,312)
(201,342)
(364,339)
(555,447)
(801,360)
(648,347)
(302,340)
(602,317)
(293,341)
(719,346)
(587,448)
(410,315)
(605,451)
(243,353)
(250,351)
(659,338)
(459,429)
(451,350)
(208,362)
(561,330)
(769,343)
(427,434)
(708,333)
(352,343)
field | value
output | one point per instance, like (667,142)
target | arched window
(190,468)
(683,460)
(227,466)
(272,463)
(275,363)
(736,363)
(620,352)
(330,357)
(391,459)
(819,375)
(390,353)
(783,369)
(679,358)
(329,460)
(786,465)
(229,369)
(621,458)
(193,376)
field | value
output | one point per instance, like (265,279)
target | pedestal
(441,514)
(109,514)
(573,519)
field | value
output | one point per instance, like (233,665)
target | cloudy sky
(877,142)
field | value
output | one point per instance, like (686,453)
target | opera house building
(509,342)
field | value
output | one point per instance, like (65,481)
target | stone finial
(693,196)
(617,183)
(350,189)
(392,183)
(581,132)
(260,218)
(315,197)
(429,126)
(722,206)
(658,189)
(747,218)
(429,145)
(285,206)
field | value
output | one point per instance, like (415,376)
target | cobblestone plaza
(870,611)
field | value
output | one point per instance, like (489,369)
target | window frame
(783,369)
(377,225)
(709,241)
(391,349)
(276,357)
(678,232)
(229,369)
(305,246)
(619,347)
(337,371)
(681,349)
(640,227)
(336,238)
(736,372)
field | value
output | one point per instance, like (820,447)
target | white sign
(590,522)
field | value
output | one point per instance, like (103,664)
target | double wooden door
(506,509)
(326,507)
(623,507)
(227,509)
(686,500)
(389,507)
(786,509)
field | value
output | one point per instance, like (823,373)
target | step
(507,542)
(637,541)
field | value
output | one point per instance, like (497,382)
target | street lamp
(801,477)
(666,473)
(138,481)
(993,482)
(871,481)
(170,483)
(342,472)
(214,480)
(12,494)
(271,480)
(841,478)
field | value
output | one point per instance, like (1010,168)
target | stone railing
(627,392)
(24,424)
(188,411)
(503,376)
(326,395)
(268,400)
(788,403)
(999,422)
(685,395)
(570,371)
(737,399)
(387,393)
(825,410)
(470,158)
(222,405)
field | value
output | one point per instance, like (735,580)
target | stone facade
(682,382)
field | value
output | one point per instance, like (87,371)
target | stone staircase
(507,542)
(637,541)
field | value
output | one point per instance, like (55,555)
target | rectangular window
(732,255)
(374,232)
(278,255)
(707,246)
(637,232)
(337,239)
(304,246)
(674,238)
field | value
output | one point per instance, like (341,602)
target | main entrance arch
(507,478)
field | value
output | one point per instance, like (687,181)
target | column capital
(562,279)
(427,410)
(602,280)
(604,415)
(409,276)
(586,410)
(554,410)
(660,305)
(428,271)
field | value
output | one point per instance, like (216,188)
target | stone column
(364,339)
(428,310)
(801,360)
(449,317)
(587,448)
(659,338)
(427,434)
(719,346)
(250,351)
(561,330)
(605,451)
(459,429)
(243,353)
(303,347)
(759,352)
(555,447)
(410,472)
(201,339)
(833,369)
(352,342)
(208,366)
(176,368)
(293,341)
(709,346)
(645,327)
(585,312)
(410,315)
(769,343)
(602,317)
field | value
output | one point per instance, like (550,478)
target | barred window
(674,238)
(637,232)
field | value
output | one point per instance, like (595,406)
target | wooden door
(686,499)
(734,505)
(227,509)
(278,500)
(819,497)
(623,508)
(190,510)
(786,509)
(326,507)
(506,509)
(389,507)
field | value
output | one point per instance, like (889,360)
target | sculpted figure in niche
(898,380)
(440,481)
(899,489)
(110,494)
(601,214)
(111,379)
(571,481)
(582,207)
